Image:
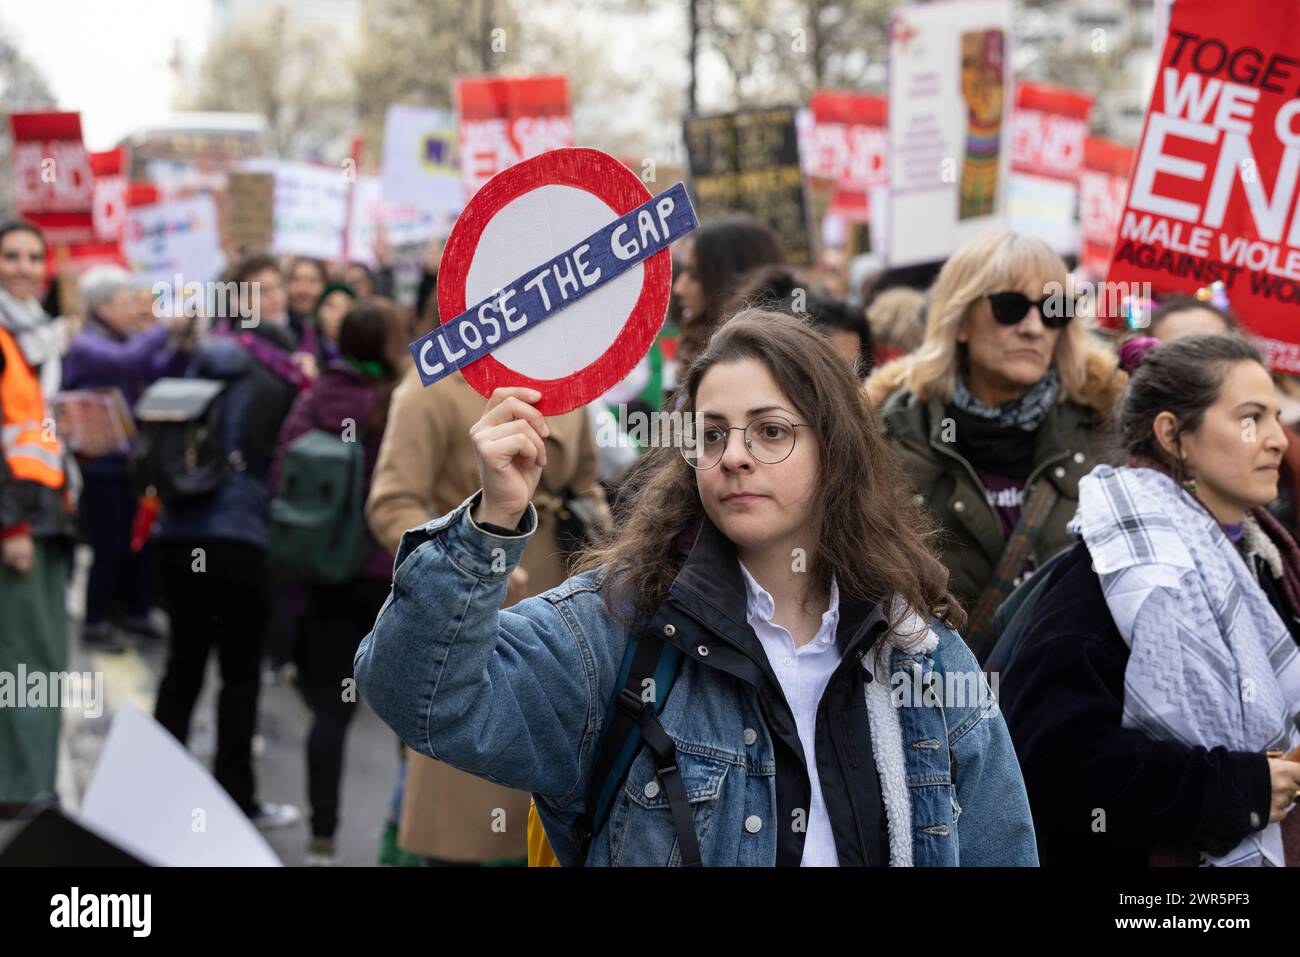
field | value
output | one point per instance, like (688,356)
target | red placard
(503,120)
(1048,131)
(1102,183)
(1212,194)
(849,143)
(53,183)
(108,209)
(618,188)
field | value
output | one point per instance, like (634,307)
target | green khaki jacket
(1071,441)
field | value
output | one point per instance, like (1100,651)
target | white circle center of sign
(524,234)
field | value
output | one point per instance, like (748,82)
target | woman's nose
(736,455)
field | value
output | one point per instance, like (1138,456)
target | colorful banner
(53,182)
(420,174)
(950,103)
(503,120)
(1212,194)
(1048,130)
(175,238)
(1103,182)
(749,162)
(848,141)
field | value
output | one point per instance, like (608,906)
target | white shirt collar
(760,604)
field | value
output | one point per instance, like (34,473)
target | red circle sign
(618,188)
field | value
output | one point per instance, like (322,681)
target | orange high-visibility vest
(32,450)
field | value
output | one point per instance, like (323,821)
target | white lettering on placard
(539,281)
(580,260)
(429,369)
(507,313)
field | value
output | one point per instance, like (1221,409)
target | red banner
(1102,184)
(53,183)
(849,143)
(1213,190)
(108,206)
(507,119)
(1048,131)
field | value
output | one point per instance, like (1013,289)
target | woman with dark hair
(714,258)
(1183,315)
(305,282)
(777,287)
(1154,689)
(327,318)
(36,519)
(788,569)
(350,398)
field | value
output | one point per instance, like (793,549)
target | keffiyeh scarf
(1211,663)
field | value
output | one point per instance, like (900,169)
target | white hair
(99,284)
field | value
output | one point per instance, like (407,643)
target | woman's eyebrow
(751,413)
(1260,405)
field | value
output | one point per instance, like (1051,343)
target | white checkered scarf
(1211,663)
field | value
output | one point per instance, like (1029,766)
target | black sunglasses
(1010,308)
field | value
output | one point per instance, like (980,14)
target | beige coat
(426,468)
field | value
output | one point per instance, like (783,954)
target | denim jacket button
(652,789)
(750,736)
(753,824)
(703,651)
(669,630)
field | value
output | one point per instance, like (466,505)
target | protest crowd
(1000,570)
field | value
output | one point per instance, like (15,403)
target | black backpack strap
(627,719)
(670,777)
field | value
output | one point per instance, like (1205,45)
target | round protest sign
(555,277)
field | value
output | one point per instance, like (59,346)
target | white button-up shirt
(803,674)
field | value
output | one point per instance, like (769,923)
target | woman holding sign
(736,676)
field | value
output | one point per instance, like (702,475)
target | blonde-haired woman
(998,414)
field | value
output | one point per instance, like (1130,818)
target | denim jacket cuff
(479,552)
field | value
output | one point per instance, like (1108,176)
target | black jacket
(1103,795)
(709,589)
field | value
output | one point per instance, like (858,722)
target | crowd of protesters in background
(936,434)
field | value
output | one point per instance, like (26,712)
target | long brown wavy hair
(873,537)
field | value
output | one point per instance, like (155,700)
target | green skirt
(33,634)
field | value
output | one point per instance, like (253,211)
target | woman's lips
(741,498)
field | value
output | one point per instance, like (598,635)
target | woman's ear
(1165,428)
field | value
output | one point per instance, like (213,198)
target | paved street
(369,770)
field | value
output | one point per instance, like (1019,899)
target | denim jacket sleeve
(994,827)
(505,695)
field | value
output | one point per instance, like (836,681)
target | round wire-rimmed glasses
(769,439)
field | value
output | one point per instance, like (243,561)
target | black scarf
(1002,449)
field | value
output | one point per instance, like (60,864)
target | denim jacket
(518,697)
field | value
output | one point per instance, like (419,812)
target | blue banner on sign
(542,292)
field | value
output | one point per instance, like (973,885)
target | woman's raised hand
(511,453)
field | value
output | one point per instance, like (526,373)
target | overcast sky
(108,59)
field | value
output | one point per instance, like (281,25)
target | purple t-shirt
(1005,496)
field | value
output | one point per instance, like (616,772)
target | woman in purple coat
(355,388)
(107,354)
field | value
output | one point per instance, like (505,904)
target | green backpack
(318,526)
